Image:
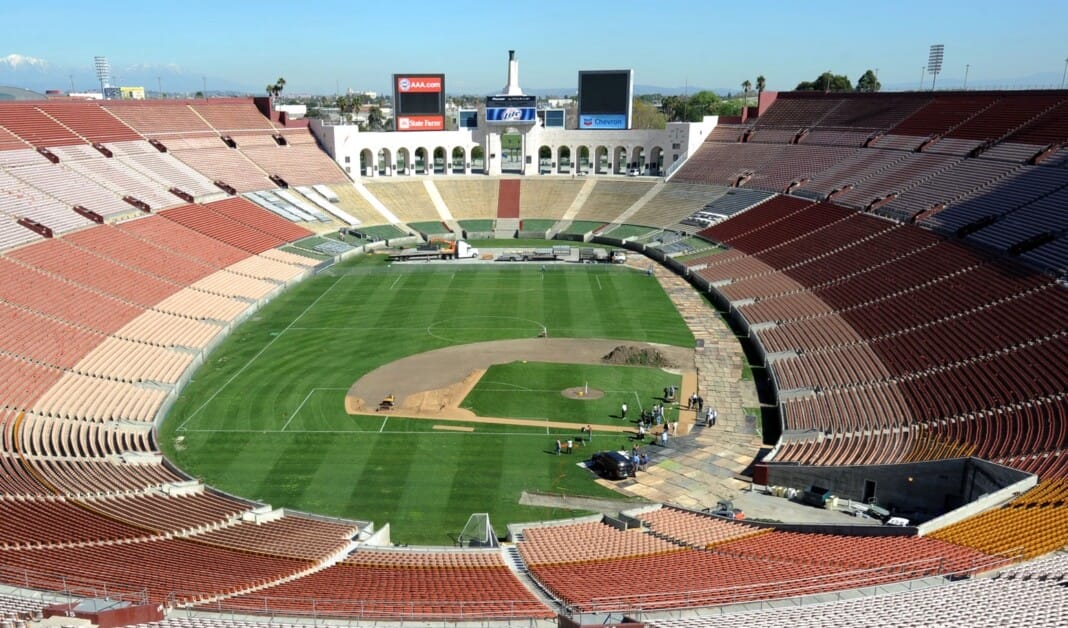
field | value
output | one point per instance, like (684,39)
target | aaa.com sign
(420,123)
(419,84)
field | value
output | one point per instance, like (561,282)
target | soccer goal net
(477,532)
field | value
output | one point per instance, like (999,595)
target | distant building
(132,93)
(293,111)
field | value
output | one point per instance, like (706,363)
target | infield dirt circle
(432,385)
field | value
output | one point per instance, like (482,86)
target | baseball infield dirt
(432,385)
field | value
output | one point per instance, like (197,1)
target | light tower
(103,72)
(934,62)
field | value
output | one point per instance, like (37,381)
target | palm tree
(760,84)
(746,85)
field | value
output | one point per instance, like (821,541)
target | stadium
(869,288)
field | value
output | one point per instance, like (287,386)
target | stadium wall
(933,487)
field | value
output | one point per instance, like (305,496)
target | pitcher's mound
(582,392)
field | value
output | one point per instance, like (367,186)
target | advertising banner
(420,123)
(603,121)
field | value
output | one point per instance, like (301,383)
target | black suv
(613,465)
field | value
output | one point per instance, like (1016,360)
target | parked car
(634,172)
(612,465)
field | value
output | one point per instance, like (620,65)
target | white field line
(258,354)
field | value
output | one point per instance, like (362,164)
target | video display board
(511,110)
(467,119)
(605,99)
(419,102)
(554,118)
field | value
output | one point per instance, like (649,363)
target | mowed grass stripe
(328,331)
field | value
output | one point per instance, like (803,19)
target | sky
(326,46)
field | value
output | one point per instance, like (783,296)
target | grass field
(264,417)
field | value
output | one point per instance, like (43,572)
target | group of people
(638,460)
(565,446)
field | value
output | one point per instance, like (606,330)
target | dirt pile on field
(638,356)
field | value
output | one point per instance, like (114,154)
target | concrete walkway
(699,469)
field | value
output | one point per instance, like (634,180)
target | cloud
(16,61)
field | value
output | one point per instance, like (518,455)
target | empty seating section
(767,213)
(796,112)
(165,169)
(221,227)
(911,171)
(978,602)
(852,169)
(234,117)
(36,127)
(230,284)
(695,529)
(285,257)
(1049,128)
(73,188)
(10,141)
(219,162)
(128,250)
(382,584)
(724,164)
(762,566)
(160,120)
(128,361)
(169,330)
(874,112)
(1033,525)
(958,181)
(267,266)
(87,398)
(1023,186)
(68,524)
(293,536)
(89,121)
(942,115)
(13,234)
(194,571)
(165,513)
(56,436)
(20,200)
(99,273)
(1045,215)
(674,202)
(470,199)
(588,541)
(204,305)
(39,338)
(798,163)
(1006,115)
(297,164)
(408,200)
(1052,256)
(608,200)
(23,382)
(351,202)
(248,213)
(172,236)
(52,296)
(83,475)
(116,175)
(548,198)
